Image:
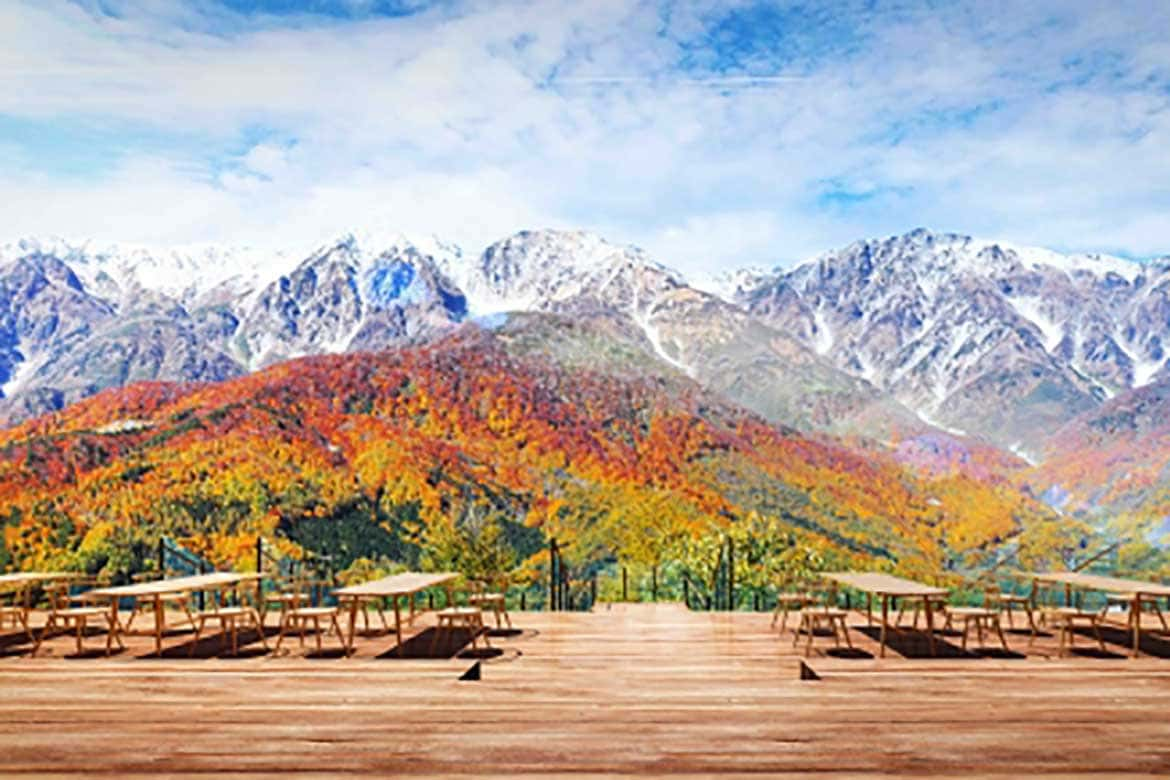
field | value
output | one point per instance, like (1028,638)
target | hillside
(469,444)
(1114,462)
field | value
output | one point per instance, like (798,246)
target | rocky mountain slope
(1115,458)
(890,338)
(977,336)
(715,342)
(75,321)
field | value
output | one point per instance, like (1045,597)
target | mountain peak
(546,268)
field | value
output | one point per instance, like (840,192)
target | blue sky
(713,133)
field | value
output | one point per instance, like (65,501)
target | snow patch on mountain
(1094,264)
(823,342)
(1031,308)
(25,371)
(926,418)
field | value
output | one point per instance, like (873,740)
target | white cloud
(476,120)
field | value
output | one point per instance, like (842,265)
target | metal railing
(316,570)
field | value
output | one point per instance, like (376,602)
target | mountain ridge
(934,329)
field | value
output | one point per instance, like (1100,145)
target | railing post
(687,592)
(162,556)
(730,573)
(654,583)
(553,584)
(593,590)
(625,585)
(523,600)
(199,569)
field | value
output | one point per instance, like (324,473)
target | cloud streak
(715,134)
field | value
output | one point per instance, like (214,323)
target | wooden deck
(627,690)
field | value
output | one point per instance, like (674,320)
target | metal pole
(199,569)
(730,573)
(654,583)
(552,574)
(625,585)
(162,557)
(593,590)
(687,592)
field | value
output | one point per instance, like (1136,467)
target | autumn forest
(465,454)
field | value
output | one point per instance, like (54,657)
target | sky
(713,133)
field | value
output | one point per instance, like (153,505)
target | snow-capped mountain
(186,274)
(698,333)
(75,320)
(897,333)
(977,335)
(348,297)
(544,269)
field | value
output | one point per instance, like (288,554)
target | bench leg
(50,624)
(1097,633)
(258,620)
(195,639)
(280,634)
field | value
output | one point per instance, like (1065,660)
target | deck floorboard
(628,690)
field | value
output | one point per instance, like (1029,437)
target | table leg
(159,623)
(398,625)
(885,624)
(353,610)
(115,628)
(930,624)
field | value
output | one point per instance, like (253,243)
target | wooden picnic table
(156,589)
(28,577)
(394,587)
(887,587)
(1136,591)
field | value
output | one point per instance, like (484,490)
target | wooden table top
(1106,584)
(883,584)
(402,584)
(174,585)
(22,577)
